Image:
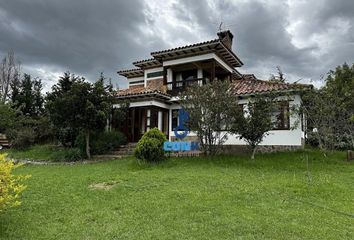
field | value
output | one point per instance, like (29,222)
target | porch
(138,120)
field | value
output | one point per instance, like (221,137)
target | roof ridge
(187,46)
(145,60)
(131,69)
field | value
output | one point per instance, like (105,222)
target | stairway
(121,152)
(4,142)
(125,150)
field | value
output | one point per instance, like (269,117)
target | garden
(300,195)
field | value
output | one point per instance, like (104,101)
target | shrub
(21,138)
(149,147)
(312,139)
(102,142)
(10,185)
(67,155)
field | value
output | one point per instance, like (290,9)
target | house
(155,83)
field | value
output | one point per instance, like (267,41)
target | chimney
(226,38)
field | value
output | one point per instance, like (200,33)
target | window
(137,82)
(280,116)
(182,78)
(154,74)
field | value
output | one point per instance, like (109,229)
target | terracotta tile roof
(154,87)
(152,62)
(136,72)
(187,46)
(249,84)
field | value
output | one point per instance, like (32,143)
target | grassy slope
(44,152)
(196,198)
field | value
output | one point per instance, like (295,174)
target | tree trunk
(253,152)
(87,137)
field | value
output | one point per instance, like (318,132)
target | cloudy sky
(49,37)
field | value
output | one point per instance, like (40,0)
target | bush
(149,147)
(67,155)
(102,142)
(10,185)
(22,138)
(312,139)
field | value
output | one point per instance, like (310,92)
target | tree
(60,112)
(279,77)
(330,110)
(7,117)
(79,105)
(212,109)
(9,72)
(26,96)
(254,125)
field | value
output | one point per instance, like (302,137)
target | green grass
(45,152)
(298,195)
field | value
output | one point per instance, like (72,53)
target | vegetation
(46,153)
(299,195)
(330,110)
(212,109)
(78,106)
(278,77)
(7,117)
(102,142)
(9,73)
(150,146)
(254,125)
(10,186)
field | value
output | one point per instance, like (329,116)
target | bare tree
(9,72)
(279,77)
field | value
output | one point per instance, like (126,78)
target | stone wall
(243,149)
(186,139)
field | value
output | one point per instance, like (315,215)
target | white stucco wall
(291,137)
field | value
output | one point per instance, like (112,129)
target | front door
(141,119)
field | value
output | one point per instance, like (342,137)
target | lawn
(298,195)
(47,152)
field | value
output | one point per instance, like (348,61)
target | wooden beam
(164,76)
(212,75)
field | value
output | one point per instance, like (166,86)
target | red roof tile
(153,87)
(249,84)
(186,46)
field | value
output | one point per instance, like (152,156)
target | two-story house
(155,83)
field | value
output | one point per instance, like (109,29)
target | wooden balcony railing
(176,87)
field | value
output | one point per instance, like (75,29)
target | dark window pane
(174,118)
(154,74)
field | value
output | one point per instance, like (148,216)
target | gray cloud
(306,38)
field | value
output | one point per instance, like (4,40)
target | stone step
(107,156)
(126,147)
(122,152)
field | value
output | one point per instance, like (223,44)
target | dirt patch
(103,185)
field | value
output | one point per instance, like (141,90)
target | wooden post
(173,81)
(164,76)
(132,124)
(212,72)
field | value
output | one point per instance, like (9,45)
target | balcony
(175,87)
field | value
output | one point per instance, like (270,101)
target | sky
(86,37)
